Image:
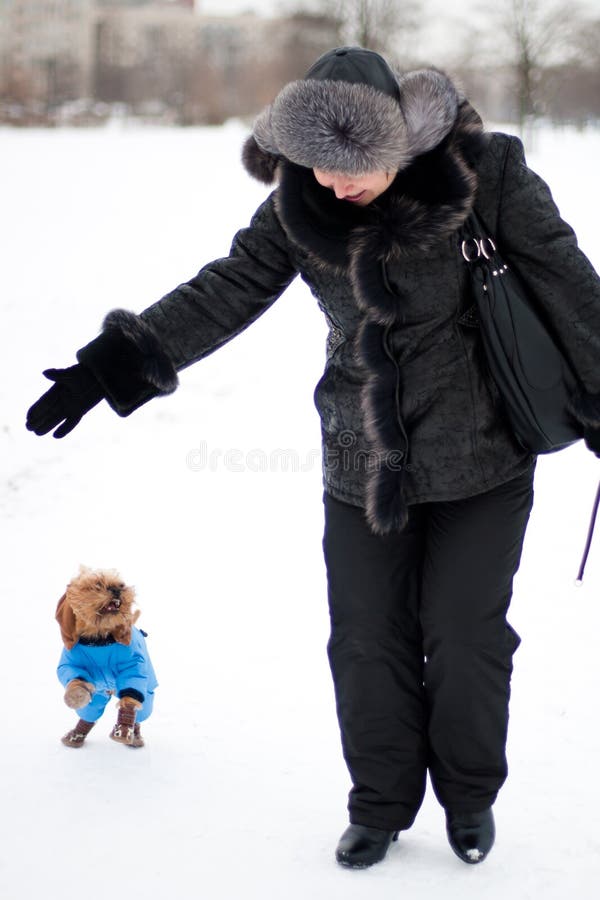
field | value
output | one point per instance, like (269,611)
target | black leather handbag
(532,374)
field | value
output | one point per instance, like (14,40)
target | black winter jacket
(409,413)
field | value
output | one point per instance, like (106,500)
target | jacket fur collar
(425,204)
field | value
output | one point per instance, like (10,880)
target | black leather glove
(75,391)
(591,436)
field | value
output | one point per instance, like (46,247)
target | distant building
(141,49)
(151,55)
(46,50)
(206,68)
(188,4)
(241,62)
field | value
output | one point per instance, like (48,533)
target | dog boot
(124,730)
(138,740)
(76,736)
(78,693)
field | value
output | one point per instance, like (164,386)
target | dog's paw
(76,736)
(122,734)
(125,734)
(78,693)
(127,730)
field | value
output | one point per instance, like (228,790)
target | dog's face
(101,604)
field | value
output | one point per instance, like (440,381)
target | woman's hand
(75,391)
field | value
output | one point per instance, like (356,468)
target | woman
(427,491)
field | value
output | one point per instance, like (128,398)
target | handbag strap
(590,533)
(480,253)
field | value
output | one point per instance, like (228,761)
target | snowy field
(210,503)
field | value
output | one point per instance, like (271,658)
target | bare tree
(586,43)
(538,34)
(382,25)
(573,88)
(376,24)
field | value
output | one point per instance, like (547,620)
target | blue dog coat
(111,668)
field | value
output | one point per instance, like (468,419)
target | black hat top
(357,66)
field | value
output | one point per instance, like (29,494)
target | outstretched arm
(136,357)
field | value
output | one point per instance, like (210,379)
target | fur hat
(352,114)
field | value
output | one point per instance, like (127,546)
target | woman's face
(359,189)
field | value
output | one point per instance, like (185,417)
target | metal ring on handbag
(490,243)
(465,253)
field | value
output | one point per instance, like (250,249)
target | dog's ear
(66,619)
(122,634)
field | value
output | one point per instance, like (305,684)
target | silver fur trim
(263,131)
(338,127)
(355,129)
(430,103)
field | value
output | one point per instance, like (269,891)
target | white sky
(432,42)
(446,21)
(461,8)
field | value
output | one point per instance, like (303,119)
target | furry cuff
(129,362)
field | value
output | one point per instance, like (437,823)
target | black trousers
(421,652)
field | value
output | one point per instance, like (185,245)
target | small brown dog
(104,655)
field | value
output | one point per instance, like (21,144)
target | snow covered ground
(210,503)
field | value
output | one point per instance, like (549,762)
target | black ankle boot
(360,846)
(471,835)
